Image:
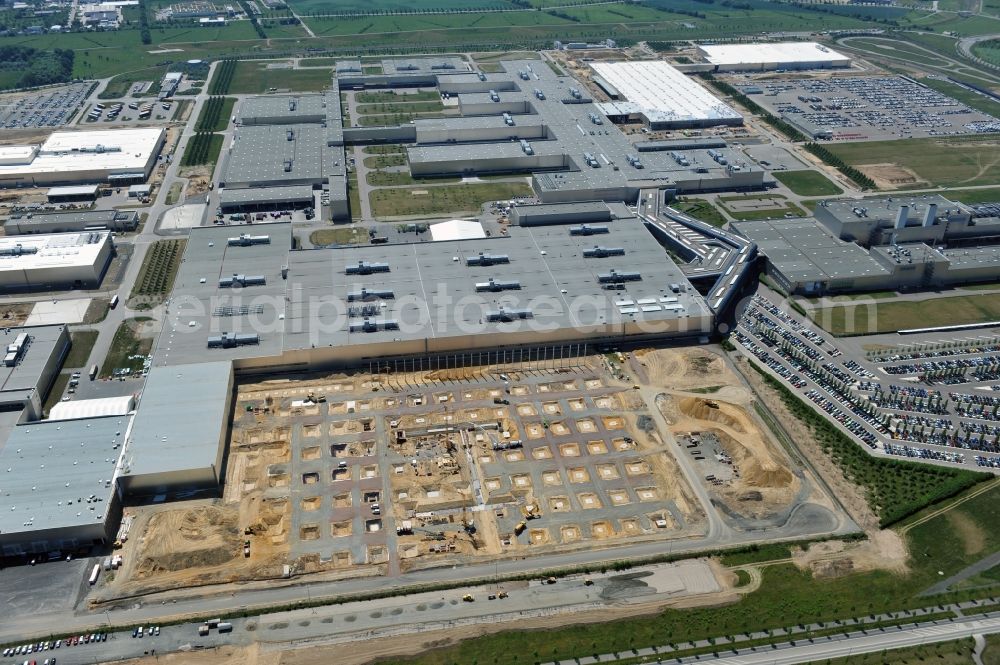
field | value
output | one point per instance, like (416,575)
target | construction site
(365,474)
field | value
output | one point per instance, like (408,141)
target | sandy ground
(884,548)
(685,368)
(891,176)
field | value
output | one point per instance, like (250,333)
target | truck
(225,627)
(94,574)
(203,629)
(93,372)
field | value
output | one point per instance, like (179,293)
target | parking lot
(886,398)
(869,108)
(49,108)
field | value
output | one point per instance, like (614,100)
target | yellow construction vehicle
(519,529)
(469,598)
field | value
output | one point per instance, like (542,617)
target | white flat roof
(73,190)
(661,93)
(16,154)
(122,150)
(49,251)
(780,53)
(457,229)
(92,408)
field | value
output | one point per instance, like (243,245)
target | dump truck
(519,529)
(246,549)
(468,598)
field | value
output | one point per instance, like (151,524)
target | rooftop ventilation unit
(539,93)
(495,286)
(930,215)
(365,295)
(591,160)
(245,240)
(598,252)
(586,230)
(482,76)
(17,250)
(574,93)
(524,75)
(487,259)
(291,104)
(615,277)
(634,161)
(240,310)
(15,349)
(288,166)
(526,147)
(363,311)
(370,326)
(596,119)
(290,134)
(231,340)
(507,315)
(365,268)
(494,96)
(241,280)
(508,120)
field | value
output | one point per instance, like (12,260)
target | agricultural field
(156,277)
(945,162)
(448,199)
(381,6)
(807,183)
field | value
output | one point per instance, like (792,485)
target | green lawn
(254,77)
(215,114)
(391,97)
(701,210)
(787,208)
(203,151)
(947,162)
(129,340)
(121,85)
(807,183)
(850,319)
(400,106)
(386,160)
(448,199)
(984,195)
(82,343)
(354,195)
(338,236)
(988,51)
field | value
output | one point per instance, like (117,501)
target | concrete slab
(183,217)
(52,312)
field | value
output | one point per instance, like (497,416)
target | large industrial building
(32,358)
(661,96)
(116,156)
(771,56)
(61,260)
(876,244)
(23,223)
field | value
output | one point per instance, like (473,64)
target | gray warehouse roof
(60,472)
(181,416)
(20,382)
(276,154)
(288,108)
(804,251)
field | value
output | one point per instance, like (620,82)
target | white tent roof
(457,229)
(92,408)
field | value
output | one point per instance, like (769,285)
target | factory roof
(87,217)
(907,253)
(181,414)
(119,150)
(784,53)
(59,474)
(309,307)
(803,250)
(73,190)
(962,258)
(278,153)
(250,195)
(268,107)
(92,408)
(34,252)
(443,64)
(660,92)
(20,382)
(887,207)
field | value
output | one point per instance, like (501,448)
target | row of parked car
(38,647)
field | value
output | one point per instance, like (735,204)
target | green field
(358,6)
(701,210)
(988,51)
(946,162)
(338,236)
(203,150)
(807,183)
(984,195)
(400,107)
(255,77)
(853,319)
(129,340)
(448,199)
(215,114)
(965,95)
(157,273)
(390,97)
(82,343)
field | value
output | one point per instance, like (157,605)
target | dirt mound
(199,537)
(712,411)
(684,368)
(757,467)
